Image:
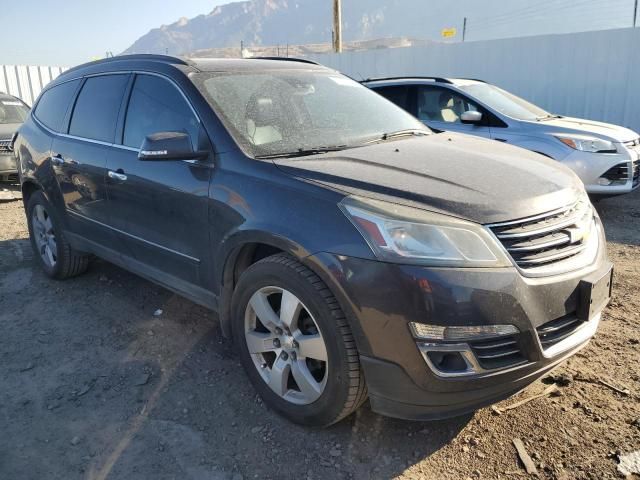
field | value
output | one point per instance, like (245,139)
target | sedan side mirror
(471,116)
(169,146)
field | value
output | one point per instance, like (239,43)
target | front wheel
(295,343)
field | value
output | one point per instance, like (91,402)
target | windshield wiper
(412,132)
(301,152)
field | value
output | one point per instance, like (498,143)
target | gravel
(196,415)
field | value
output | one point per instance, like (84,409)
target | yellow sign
(449,32)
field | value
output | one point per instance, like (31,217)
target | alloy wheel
(286,345)
(44,235)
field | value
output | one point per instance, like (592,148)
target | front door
(440,108)
(159,209)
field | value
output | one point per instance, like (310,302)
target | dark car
(13,112)
(349,252)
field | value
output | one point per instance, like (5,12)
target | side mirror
(471,116)
(169,146)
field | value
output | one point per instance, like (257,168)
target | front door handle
(504,140)
(120,176)
(57,160)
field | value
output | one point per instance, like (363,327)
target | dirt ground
(94,385)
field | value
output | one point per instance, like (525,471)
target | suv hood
(8,129)
(606,131)
(467,177)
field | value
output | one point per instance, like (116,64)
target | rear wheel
(57,258)
(295,343)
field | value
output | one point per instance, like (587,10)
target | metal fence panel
(588,75)
(26,81)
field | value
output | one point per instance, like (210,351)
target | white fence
(26,82)
(592,75)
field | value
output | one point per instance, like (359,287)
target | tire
(51,248)
(336,387)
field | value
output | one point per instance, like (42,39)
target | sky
(68,32)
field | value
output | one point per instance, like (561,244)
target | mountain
(281,22)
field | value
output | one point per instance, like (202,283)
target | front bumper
(592,167)
(381,299)
(8,164)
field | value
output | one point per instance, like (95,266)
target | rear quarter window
(54,103)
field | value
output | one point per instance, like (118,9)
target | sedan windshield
(504,102)
(290,112)
(12,111)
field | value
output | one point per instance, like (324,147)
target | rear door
(441,108)
(79,154)
(160,208)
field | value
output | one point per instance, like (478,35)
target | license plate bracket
(594,294)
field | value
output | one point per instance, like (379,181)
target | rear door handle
(120,176)
(504,140)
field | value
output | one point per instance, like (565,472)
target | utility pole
(337,26)
(635,13)
(464,28)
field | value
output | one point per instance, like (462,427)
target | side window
(397,94)
(54,103)
(442,105)
(157,106)
(95,114)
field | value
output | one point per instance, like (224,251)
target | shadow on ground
(96,386)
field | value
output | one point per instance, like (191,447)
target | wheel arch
(28,187)
(247,248)
(238,253)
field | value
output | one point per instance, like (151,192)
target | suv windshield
(504,102)
(12,111)
(289,111)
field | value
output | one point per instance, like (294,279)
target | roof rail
(287,59)
(138,56)
(408,77)
(472,79)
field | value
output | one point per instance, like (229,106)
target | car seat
(261,118)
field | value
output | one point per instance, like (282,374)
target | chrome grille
(5,146)
(545,239)
(557,330)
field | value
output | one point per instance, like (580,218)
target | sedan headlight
(588,144)
(401,234)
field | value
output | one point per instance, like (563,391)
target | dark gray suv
(349,252)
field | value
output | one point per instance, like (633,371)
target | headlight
(588,144)
(402,234)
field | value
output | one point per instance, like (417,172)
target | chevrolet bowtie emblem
(579,233)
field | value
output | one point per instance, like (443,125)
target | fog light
(424,331)
(449,362)
(604,181)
